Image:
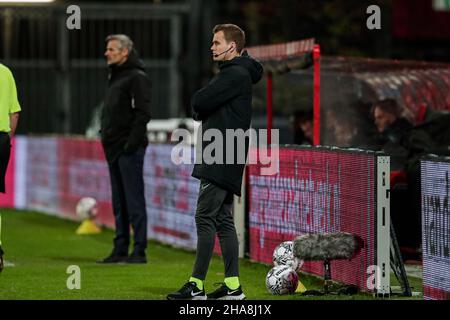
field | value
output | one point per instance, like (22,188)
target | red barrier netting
(316,191)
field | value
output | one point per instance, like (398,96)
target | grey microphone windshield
(331,246)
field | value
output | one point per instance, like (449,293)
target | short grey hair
(124,41)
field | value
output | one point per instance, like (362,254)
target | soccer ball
(283,254)
(281,280)
(87,208)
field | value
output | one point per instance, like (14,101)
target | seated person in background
(392,131)
(390,125)
(430,137)
(302,123)
(342,127)
(392,136)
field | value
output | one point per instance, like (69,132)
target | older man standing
(125,114)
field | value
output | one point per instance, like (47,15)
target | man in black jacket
(224,104)
(125,114)
(393,131)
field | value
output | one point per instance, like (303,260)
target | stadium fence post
(383,219)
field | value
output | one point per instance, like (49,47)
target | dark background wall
(411,30)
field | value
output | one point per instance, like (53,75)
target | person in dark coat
(224,104)
(392,136)
(430,137)
(393,131)
(124,118)
(303,127)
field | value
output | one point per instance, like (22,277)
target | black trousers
(214,215)
(128,200)
(5,151)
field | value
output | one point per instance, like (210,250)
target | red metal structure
(269,106)
(316,60)
(281,58)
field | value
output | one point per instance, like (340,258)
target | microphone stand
(329,287)
(327,276)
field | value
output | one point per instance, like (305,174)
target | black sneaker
(225,293)
(136,258)
(189,291)
(1,259)
(114,258)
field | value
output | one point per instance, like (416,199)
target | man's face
(344,134)
(220,45)
(382,119)
(114,54)
(307,128)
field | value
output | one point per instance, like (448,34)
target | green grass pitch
(42,247)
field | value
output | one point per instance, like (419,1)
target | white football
(281,280)
(283,254)
(87,208)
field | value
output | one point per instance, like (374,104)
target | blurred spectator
(392,131)
(390,125)
(302,123)
(430,137)
(342,127)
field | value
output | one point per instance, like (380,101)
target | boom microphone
(331,246)
(326,247)
(218,55)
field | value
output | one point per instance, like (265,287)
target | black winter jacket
(126,109)
(226,103)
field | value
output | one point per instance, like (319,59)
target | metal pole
(383,231)
(7,33)
(194,53)
(175,26)
(269,107)
(316,59)
(63,74)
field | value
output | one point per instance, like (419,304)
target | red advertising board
(7,199)
(315,191)
(83,172)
